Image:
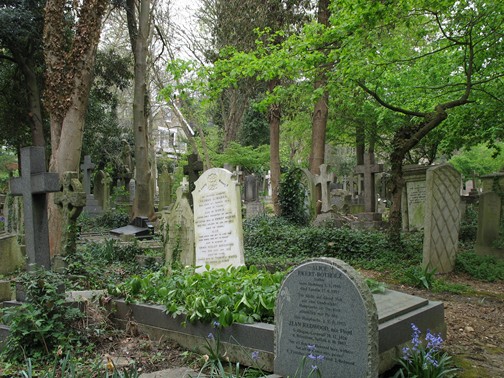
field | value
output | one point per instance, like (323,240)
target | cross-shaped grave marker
(324,179)
(368,170)
(70,201)
(87,167)
(33,185)
(192,169)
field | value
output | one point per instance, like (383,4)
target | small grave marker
(33,185)
(325,308)
(87,167)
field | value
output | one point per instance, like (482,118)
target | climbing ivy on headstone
(292,197)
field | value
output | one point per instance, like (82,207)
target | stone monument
(33,185)
(92,207)
(179,229)
(442,218)
(218,220)
(413,197)
(324,308)
(71,200)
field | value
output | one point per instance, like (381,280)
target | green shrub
(469,224)
(485,268)
(44,323)
(292,198)
(273,240)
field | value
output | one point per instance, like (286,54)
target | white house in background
(168,133)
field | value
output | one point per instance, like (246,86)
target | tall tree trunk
(143,204)
(320,112)
(274,117)
(34,95)
(68,82)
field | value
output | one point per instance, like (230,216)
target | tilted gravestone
(218,220)
(33,185)
(324,308)
(179,230)
(442,218)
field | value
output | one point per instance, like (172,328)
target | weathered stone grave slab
(325,304)
(33,185)
(92,207)
(442,218)
(140,228)
(218,220)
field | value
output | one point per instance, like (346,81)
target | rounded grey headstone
(325,308)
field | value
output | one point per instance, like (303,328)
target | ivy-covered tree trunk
(69,62)
(139,28)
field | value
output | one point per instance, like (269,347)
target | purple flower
(311,356)
(434,342)
(211,336)
(311,347)
(314,367)
(216,324)
(415,337)
(255,356)
(320,357)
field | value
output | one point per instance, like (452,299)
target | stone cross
(33,185)
(70,201)
(106,181)
(324,179)
(87,167)
(268,183)
(192,169)
(368,170)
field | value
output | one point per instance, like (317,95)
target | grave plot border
(240,340)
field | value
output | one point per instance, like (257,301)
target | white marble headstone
(218,220)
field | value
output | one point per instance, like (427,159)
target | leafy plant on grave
(235,294)
(469,225)
(421,277)
(44,323)
(424,359)
(292,197)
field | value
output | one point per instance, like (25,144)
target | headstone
(368,170)
(71,200)
(251,188)
(218,220)
(413,197)
(179,223)
(33,185)
(324,308)
(489,220)
(164,186)
(140,228)
(442,218)
(191,170)
(324,179)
